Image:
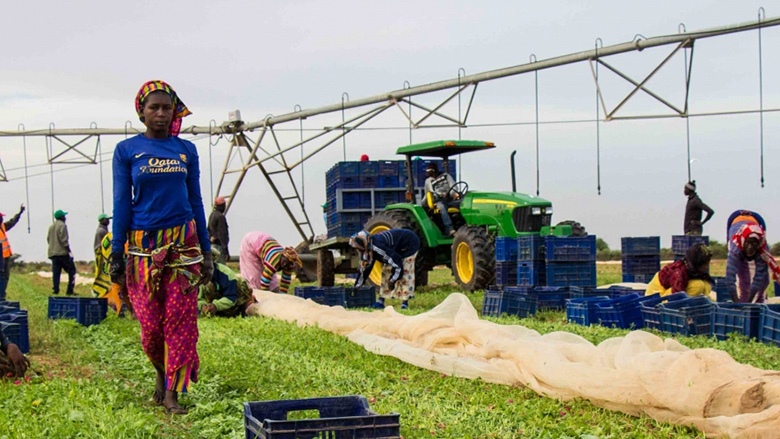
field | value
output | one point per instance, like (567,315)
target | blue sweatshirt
(156,186)
(390,247)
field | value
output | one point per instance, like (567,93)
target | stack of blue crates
(570,260)
(355,191)
(530,260)
(506,261)
(16,324)
(641,258)
(681,244)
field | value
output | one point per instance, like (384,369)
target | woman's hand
(19,361)
(207,270)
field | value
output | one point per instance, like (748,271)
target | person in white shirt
(439,184)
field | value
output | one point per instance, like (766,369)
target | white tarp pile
(638,373)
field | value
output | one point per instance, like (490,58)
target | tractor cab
(440,187)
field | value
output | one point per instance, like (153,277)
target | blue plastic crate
(690,316)
(13,332)
(340,417)
(647,245)
(625,311)
(10,304)
(570,248)
(580,274)
(506,249)
(639,278)
(531,273)
(346,169)
(384,198)
(343,217)
(722,291)
(24,328)
(641,264)
(347,183)
(362,297)
(354,200)
(681,243)
(368,169)
(369,182)
(742,318)
(769,324)
(651,313)
(616,291)
(530,248)
(506,273)
(511,301)
(582,311)
(330,296)
(389,167)
(85,310)
(344,229)
(583,292)
(388,181)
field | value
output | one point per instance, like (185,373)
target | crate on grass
(531,273)
(769,324)
(10,304)
(579,274)
(582,311)
(583,292)
(530,248)
(625,311)
(722,290)
(337,417)
(506,249)
(506,273)
(616,291)
(690,316)
(551,297)
(85,310)
(24,328)
(742,318)
(362,297)
(330,296)
(646,245)
(512,301)
(651,313)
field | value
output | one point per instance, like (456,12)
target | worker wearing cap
(218,230)
(102,230)
(5,260)
(59,253)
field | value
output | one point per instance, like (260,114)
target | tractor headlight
(548,210)
(536,211)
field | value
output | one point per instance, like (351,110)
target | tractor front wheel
(473,258)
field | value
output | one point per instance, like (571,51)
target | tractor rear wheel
(325,268)
(308,272)
(473,258)
(397,219)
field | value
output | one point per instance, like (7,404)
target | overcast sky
(74,63)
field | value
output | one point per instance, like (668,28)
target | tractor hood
(507,213)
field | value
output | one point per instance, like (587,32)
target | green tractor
(478,219)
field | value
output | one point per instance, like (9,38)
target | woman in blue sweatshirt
(397,250)
(158,211)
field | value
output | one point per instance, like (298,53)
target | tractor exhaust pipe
(512,163)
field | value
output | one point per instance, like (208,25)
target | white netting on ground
(638,373)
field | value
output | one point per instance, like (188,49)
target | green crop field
(96,382)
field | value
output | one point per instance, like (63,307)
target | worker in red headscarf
(218,230)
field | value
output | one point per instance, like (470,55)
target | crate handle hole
(299,415)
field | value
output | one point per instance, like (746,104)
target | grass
(96,383)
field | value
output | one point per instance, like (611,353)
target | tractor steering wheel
(458,191)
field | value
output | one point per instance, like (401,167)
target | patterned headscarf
(360,240)
(292,256)
(179,109)
(755,231)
